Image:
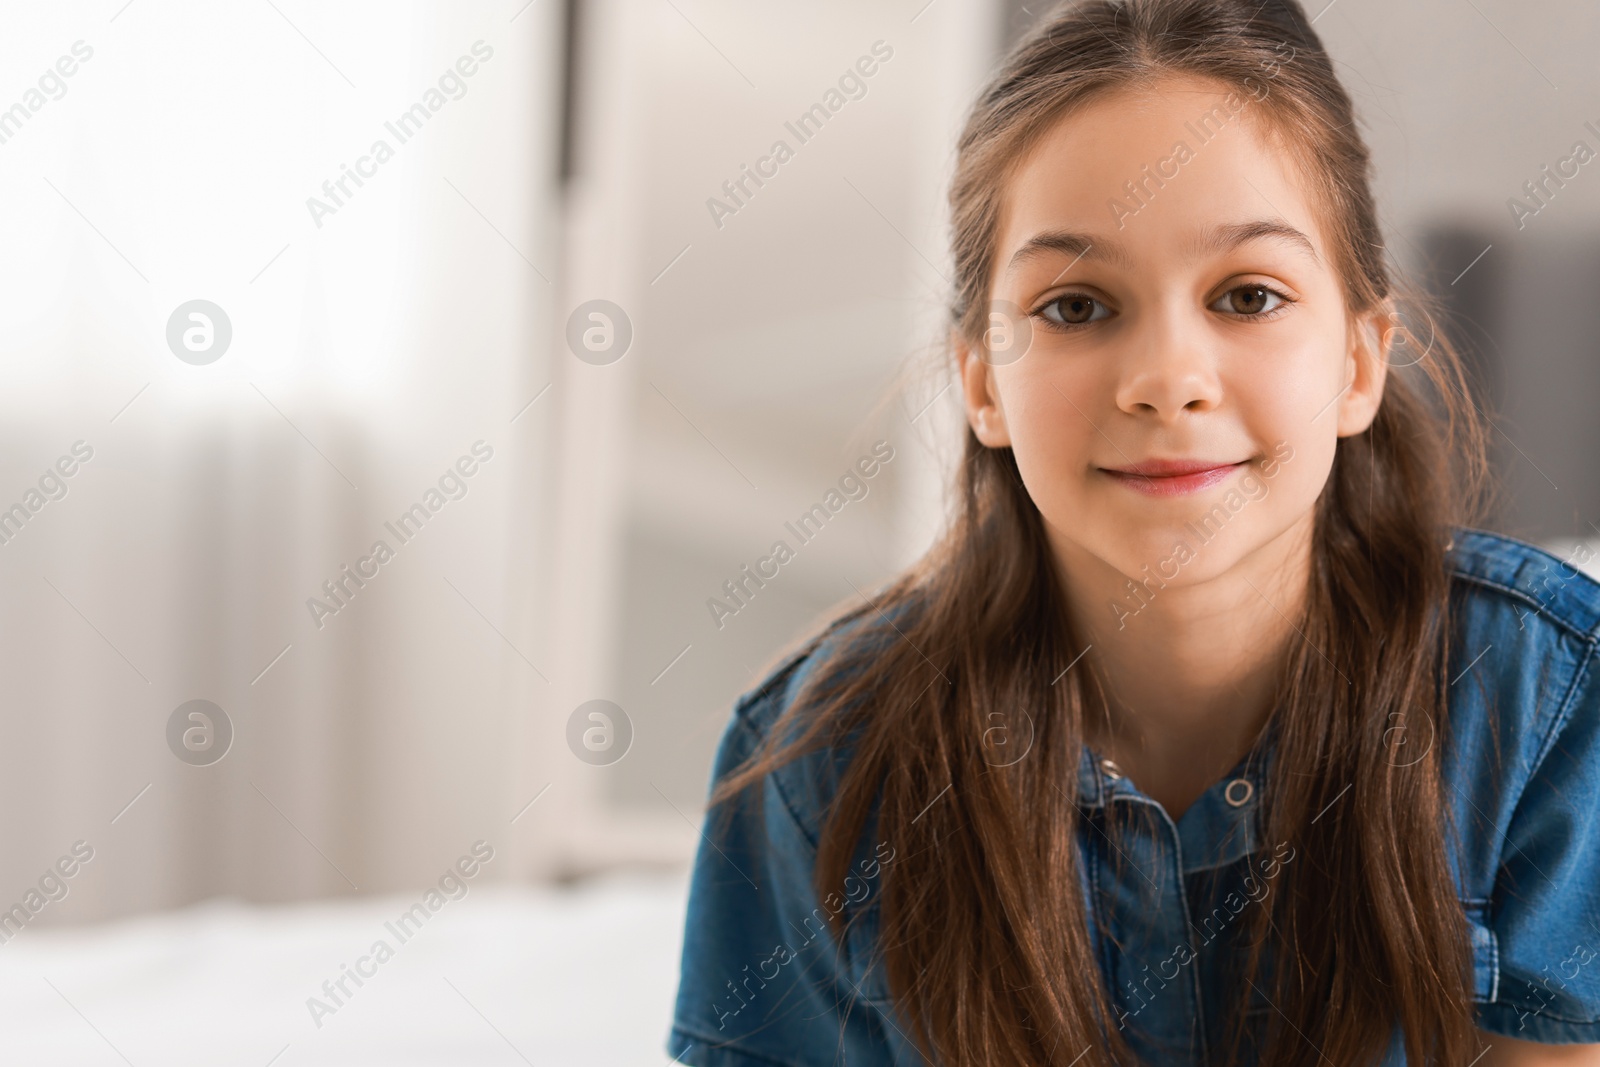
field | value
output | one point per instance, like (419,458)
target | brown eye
(1250,300)
(1074,309)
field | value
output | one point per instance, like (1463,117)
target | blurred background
(490,283)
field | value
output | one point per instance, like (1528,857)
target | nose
(1168,370)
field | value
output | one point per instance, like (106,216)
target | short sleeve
(763,981)
(1545,912)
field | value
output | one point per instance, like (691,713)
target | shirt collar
(1222,825)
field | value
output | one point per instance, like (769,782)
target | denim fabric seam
(841,947)
(1544,610)
(1252,844)
(1563,715)
(1542,1014)
(1548,743)
(777,676)
(856,928)
(1477,913)
(789,809)
(1183,907)
(842,951)
(777,787)
(1494,546)
(1188,925)
(1589,1035)
(742,709)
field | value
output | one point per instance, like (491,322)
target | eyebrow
(1219,238)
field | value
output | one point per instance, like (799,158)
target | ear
(984,414)
(1366,368)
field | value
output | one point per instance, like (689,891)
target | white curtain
(371,348)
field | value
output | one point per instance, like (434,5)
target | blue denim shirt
(764,981)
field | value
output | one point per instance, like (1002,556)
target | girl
(1209,733)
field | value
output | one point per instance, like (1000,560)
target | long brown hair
(983,928)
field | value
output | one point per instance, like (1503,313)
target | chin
(1178,554)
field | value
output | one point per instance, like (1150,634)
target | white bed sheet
(501,976)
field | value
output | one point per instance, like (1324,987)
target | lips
(1172,477)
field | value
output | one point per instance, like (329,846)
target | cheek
(1299,452)
(1298,380)
(1288,402)
(1301,480)
(1295,485)
(1051,438)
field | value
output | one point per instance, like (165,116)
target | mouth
(1172,477)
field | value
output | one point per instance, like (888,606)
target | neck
(1192,675)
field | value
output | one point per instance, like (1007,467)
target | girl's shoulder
(780,701)
(844,644)
(1521,765)
(765,977)
(1523,674)
(1501,575)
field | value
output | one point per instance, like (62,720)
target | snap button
(1239,792)
(1112,770)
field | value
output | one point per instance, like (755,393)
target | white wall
(768,349)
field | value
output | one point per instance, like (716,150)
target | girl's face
(1198,327)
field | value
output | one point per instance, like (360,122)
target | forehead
(1162,174)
